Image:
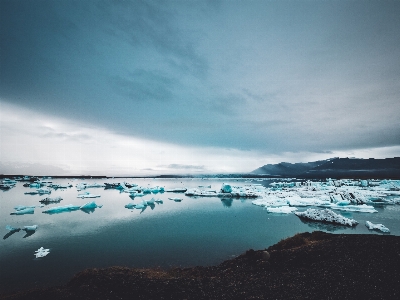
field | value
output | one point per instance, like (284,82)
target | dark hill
(336,168)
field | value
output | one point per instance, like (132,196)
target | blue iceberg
(61,209)
(24,211)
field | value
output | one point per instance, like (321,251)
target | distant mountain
(335,168)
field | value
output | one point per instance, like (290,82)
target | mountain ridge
(335,167)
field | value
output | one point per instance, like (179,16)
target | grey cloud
(183,167)
(38,169)
(48,132)
(142,85)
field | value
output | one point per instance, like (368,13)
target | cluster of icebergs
(344,195)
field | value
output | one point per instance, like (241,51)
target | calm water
(196,231)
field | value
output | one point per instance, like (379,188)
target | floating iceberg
(226,188)
(51,200)
(325,215)
(84,185)
(130,205)
(12,229)
(60,209)
(60,186)
(281,209)
(294,201)
(201,193)
(136,194)
(39,191)
(270,201)
(372,226)
(177,190)
(176,199)
(356,208)
(22,207)
(30,228)
(90,205)
(24,211)
(87,195)
(41,252)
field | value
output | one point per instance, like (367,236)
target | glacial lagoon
(194,231)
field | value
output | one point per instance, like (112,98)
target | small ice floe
(87,195)
(356,208)
(294,201)
(90,205)
(30,228)
(270,201)
(176,199)
(50,200)
(325,215)
(41,252)
(12,229)
(281,209)
(238,192)
(60,186)
(84,185)
(177,190)
(136,194)
(40,191)
(140,206)
(201,193)
(23,210)
(60,209)
(226,188)
(372,226)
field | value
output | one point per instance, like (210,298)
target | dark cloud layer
(267,75)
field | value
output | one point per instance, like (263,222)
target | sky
(130,88)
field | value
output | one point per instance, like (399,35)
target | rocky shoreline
(314,265)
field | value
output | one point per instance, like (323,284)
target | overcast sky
(167,87)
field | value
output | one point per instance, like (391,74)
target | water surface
(196,231)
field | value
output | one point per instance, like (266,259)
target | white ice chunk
(41,252)
(87,195)
(281,209)
(177,190)
(380,227)
(356,208)
(270,201)
(201,193)
(30,228)
(325,215)
(304,201)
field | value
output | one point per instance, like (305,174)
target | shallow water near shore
(195,231)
